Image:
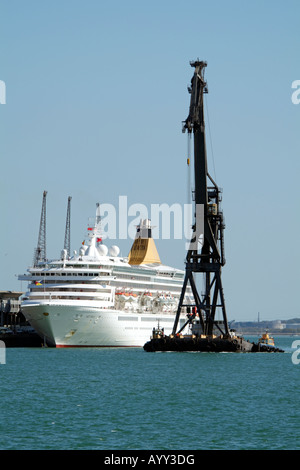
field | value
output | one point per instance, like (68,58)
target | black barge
(183,343)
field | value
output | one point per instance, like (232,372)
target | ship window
(127,318)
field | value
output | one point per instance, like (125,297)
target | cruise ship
(97,298)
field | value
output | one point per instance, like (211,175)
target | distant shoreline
(274,333)
(289,327)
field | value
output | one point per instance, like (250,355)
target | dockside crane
(206,257)
(67,243)
(40,251)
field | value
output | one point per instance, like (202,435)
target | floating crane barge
(207,257)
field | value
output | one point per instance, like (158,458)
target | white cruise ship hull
(76,325)
(97,298)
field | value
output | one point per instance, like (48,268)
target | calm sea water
(129,399)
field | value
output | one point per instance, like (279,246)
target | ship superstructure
(98,298)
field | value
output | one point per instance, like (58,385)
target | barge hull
(208,344)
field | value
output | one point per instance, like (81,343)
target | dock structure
(15,331)
(10,308)
(205,256)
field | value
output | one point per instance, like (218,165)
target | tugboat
(266,339)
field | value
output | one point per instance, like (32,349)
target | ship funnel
(143,250)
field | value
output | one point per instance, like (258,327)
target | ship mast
(207,259)
(40,251)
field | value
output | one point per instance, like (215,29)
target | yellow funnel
(143,250)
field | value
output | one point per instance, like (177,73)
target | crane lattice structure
(67,243)
(40,251)
(207,259)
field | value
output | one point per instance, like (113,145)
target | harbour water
(121,399)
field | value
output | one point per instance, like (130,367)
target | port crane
(206,257)
(40,250)
(67,242)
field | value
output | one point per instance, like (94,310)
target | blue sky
(95,95)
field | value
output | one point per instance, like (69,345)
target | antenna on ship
(98,216)
(40,251)
(67,244)
(206,257)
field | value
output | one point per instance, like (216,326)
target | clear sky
(95,95)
